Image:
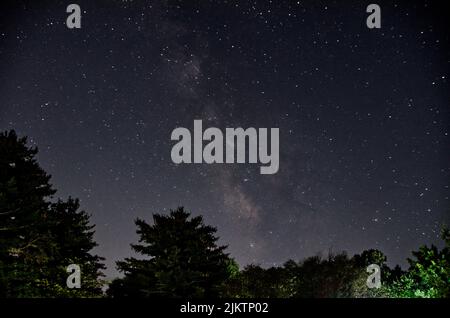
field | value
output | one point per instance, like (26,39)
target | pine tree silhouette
(183,259)
(39,239)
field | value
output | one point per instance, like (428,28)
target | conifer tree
(38,238)
(183,259)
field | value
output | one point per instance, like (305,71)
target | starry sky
(363,117)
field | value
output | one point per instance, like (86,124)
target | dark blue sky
(363,117)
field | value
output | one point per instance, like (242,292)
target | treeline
(40,236)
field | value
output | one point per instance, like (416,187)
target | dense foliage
(183,259)
(40,238)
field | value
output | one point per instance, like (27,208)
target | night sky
(363,114)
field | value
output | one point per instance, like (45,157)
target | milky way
(363,117)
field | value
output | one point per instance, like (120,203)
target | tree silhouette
(184,260)
(24,188)
(71,229)
(38,239)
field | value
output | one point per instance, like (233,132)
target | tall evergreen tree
(38,239)
(24,190)
(183,259)
(71,229)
